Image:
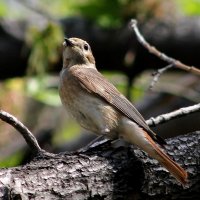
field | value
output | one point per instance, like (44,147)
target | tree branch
(33,144)
(153,50)
(156,75)
(104,170)
(107,173)
(28,136)
(173,115)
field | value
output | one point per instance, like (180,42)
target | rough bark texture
(105,172)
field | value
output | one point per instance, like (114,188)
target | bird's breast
(91,112)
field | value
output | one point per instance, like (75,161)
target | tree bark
(105,172)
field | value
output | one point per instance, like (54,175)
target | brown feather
(178,172)
(94,82)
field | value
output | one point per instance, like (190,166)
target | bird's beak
(68,42)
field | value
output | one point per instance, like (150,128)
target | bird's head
(77,51)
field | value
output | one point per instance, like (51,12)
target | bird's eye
(86,47)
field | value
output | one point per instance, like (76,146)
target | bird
(99,107)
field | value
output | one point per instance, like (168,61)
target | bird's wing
(95,83)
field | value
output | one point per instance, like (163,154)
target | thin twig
(173,115)
(28,136)
(156,121)
(33,144)
(153,50)
(156,75)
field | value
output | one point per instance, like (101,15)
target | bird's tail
(177,171)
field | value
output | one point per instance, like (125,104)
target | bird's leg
(91,144)
(97,141)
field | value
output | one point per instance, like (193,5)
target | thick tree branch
(105,173)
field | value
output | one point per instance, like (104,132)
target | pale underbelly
(93,114)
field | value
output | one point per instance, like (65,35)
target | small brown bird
(99,107)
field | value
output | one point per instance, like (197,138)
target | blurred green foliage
(42,91)
(116,12)
(67,132)
(3,8)
(104,12)
(109,13)
(13,160)
(191,7)
(45,44)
